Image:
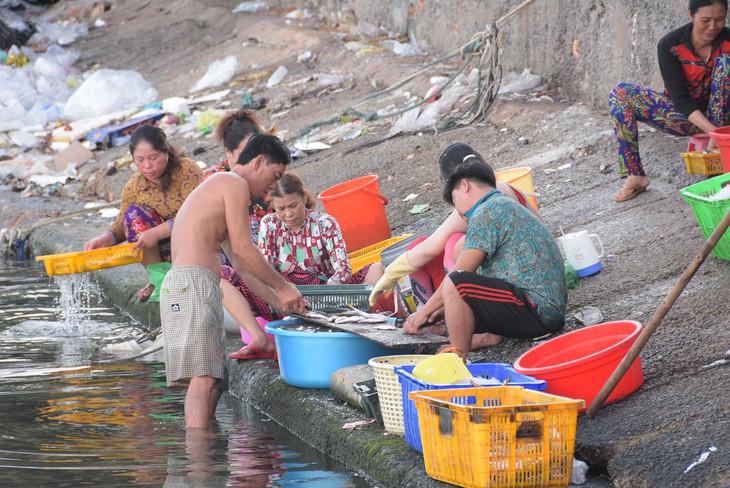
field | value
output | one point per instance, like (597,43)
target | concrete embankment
(641,441)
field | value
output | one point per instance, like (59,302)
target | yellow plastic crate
(698,162)
(371,254)
(80,262)
(498,436)
(389,390)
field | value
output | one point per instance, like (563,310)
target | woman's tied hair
(292,184)
(234,127)
(695,5)
(467,157)
(461,161)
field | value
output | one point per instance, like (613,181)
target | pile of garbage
(55,118)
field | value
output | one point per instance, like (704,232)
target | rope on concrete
(482,51)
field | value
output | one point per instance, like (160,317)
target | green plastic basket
(709,212)
(332,298)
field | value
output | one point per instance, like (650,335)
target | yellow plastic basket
(698,162)
(390,392)
(371,254)
(80,262)
(497,436)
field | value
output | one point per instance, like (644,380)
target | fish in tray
(350,316)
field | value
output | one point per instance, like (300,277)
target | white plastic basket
(389,388)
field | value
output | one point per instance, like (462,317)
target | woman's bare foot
(264,344)
(438,329)
(486,339)
(634,185)
(256,349)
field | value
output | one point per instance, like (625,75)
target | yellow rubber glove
(394,272)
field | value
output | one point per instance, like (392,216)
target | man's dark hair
(267,145)
(471,170)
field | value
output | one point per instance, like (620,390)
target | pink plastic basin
(577,364)
(246,337)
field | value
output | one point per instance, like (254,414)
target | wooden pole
(671,297)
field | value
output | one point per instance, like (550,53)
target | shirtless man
(191,306)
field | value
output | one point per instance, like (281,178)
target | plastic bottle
(278,75)
(571,277)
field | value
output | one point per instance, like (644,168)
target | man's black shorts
(499,307)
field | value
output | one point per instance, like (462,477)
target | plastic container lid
(442,369)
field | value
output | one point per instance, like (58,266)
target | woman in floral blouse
(304,245)
(151,198)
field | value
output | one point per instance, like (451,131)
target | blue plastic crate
(488,374)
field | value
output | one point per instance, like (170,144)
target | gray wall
(616,38)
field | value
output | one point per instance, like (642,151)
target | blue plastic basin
(308,359)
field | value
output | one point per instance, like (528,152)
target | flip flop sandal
(145,293)
(626,194)
(454,350)
(254,353)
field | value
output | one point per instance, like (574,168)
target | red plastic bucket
(722,137)
(359,208)
(577,364)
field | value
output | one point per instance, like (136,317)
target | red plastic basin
(577,364)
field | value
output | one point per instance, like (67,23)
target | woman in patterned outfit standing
(694,61)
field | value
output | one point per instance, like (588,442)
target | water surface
(75,414)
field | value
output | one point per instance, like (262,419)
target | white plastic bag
(580,469)
(17,84)
(251,7)
(42,113)
(62,33)
(219,72)
(24,139)
(59,55)
(512,82)
(401,48)
(412,121)
(11,114)
(108,91)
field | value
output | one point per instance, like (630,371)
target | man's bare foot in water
(486,339)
